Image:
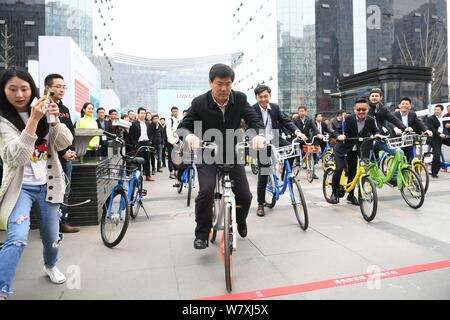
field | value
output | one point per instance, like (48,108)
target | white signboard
(176,98)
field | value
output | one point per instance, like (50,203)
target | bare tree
(6,55)
(432,51)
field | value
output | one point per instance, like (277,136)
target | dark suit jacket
(135,133)
(107,125)
(325,129)
(383,114)
(413,122)
(434,124)
(206,111)
(308,128)
(351,131)
(280,121)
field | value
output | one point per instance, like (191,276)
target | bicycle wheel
(327,184)
(386,164)
(181,186)
(114,223)
(310,168)
(271,198)
(368,199)
(134,209)
(227,247)
(296,166)
(213,232)
(412,192)
(191,185)
(299,204)
(327,160)
(422,172)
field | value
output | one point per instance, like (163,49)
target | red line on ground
(327,284)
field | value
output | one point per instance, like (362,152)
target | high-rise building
(21,23)
(301,48)
(71,18)
(104,20)
(143,82)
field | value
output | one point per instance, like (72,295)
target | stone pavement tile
(208,280)
(288,239)
(320,264)
(184,254)
(140,284)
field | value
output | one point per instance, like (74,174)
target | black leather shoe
(352,199)
(200,244)
(315,177)
(242,229)
(334,199)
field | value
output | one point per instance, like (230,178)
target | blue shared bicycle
(275,189)
(188,179)
(122,204)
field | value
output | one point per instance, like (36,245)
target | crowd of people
(37,156)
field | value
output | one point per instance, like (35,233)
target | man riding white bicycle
(220,109)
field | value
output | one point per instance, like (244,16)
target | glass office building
(71,18)
(140,81)
(319,42)
(22,21)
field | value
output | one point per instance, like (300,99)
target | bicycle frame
(134,182)
(223,195)
(279,190)
(400,163)
(119,186)
(360,173)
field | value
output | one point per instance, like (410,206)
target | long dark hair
(9,112)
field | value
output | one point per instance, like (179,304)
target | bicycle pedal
(144,192)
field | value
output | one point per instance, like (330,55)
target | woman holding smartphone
(32,173)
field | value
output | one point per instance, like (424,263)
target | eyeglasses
(60,87)
(362,110)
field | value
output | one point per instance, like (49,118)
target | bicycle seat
(136,161)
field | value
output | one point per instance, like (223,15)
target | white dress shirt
(267,122)
(144,135)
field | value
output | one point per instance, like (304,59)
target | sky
(173,28)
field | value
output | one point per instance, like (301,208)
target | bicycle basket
(115,172)
(400,142)
(312,149)
(420,140)
(287,152)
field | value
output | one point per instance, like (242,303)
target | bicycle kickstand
(145,211)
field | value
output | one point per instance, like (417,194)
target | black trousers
(146,155)
(169,158)
(103,152)
(437,149)
(341,161)
(205,200)
(263,176)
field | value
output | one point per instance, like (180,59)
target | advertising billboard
(175,98)
(82,78)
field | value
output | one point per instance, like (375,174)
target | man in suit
(274,121)
(140,136)
(305,124)
(220,110)
(436,124)
(411,121)
(322,131)
(358,125)
(382,115)
(104,125)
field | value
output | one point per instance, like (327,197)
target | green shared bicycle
(399,174)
